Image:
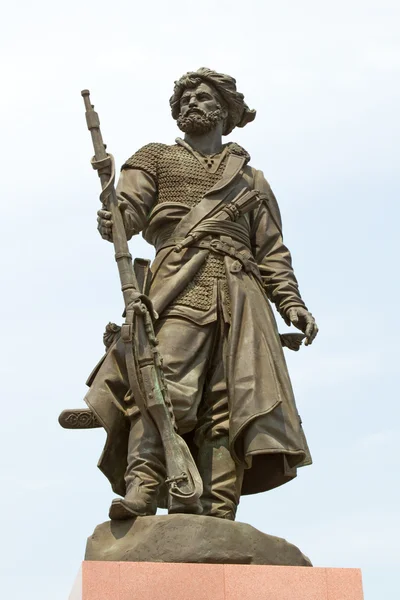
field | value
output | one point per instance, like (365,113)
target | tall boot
(177,507)
(222,478)
(145,472)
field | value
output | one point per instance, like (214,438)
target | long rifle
(143,360)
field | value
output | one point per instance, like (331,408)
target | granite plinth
(163,581)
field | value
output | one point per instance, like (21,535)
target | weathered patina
(212,282)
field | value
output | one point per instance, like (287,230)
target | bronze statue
(193,390)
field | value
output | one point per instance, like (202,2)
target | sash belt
(243,259)
(211,229)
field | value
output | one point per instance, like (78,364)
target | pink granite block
(188,581)
(344,584)
(100,580)
(253,582)
(164,581)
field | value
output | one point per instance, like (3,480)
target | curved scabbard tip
(85,93)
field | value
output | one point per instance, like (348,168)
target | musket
(143,359)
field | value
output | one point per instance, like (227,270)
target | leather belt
(243,259)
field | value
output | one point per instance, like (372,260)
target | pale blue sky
(324,78)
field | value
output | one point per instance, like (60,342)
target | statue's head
(202,99)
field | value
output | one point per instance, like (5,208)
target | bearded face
(201,110)
(197,121)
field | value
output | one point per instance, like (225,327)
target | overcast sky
(324,78)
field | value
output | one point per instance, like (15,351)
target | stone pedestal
(190,539)
(105,580)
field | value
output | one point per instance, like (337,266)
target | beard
(198,122)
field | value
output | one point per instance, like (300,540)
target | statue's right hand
(104,224)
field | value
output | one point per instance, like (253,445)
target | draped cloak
(265,429)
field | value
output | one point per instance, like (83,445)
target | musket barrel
(86,98)
(93,124)
(123,257)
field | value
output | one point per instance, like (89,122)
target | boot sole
(119,511)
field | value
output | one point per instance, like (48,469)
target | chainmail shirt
(181,177)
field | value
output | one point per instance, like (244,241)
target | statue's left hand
(303,320)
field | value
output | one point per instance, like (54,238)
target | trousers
(195,371)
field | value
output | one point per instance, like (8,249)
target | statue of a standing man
(223,358)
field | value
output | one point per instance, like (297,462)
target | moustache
(197,111)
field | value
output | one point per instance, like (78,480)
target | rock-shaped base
(190,539)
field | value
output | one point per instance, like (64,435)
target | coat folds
(265,429)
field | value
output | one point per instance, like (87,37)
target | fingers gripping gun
(143,360)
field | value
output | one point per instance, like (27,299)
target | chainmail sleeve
(272,256)
(146,159)
(137,188)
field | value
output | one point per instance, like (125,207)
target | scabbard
(78,418)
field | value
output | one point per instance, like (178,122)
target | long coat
(265,428)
